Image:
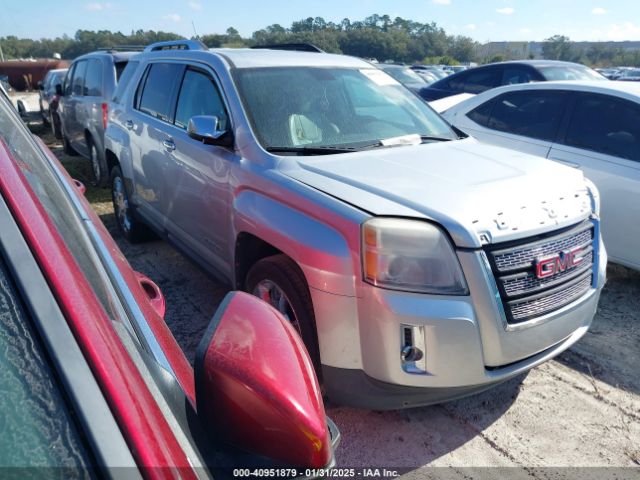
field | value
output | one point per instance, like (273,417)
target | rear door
(150,132)
(602,137)
(525,120)
(90,108)
(74,118)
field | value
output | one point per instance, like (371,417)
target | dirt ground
(580,410)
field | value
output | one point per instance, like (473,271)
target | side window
(66,88)
(199,96)
(77,84)
(513,75)
(160,83)
(533,113)
(457,83)
(482,113)
(124,80)
(93,78)
(606,125)
(479,81)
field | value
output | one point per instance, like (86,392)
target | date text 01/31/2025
(316,473)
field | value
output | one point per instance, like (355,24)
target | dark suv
(480,79)
(84,107)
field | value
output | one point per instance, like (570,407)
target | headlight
(410,255)
(595,196)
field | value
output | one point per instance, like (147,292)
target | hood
(479,193)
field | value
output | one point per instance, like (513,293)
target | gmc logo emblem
(553,264)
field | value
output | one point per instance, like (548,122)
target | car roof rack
(298,47)
(122,48)
(176,45)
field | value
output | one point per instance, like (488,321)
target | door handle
(566,162)
(128,124)
(169,145)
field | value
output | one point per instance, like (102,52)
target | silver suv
(417,266)
(83,105)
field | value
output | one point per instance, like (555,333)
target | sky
(482,20)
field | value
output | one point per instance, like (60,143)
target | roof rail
(122,48)
(299,47)
(176,45)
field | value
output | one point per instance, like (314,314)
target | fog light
(413,349)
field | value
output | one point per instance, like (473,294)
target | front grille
(524,295)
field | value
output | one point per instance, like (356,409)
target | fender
(322,252)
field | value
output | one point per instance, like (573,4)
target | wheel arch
(267,227)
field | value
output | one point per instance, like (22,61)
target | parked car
(83,105)
(417,266)
(593,126)
(630,75)
(404,75)
(49,99)
(4,83)
(428,76)
(432,69)
(485,77)
(93,383)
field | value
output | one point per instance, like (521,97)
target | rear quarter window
(93,79)
(124,78)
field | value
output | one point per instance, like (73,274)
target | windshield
(332,107)
(403,75)
(570,72)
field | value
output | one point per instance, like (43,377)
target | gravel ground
(580,410)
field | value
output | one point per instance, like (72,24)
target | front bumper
(468,347)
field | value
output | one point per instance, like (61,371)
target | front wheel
(278,281)
(130,227)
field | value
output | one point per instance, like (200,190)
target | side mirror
(256,386)
(59,89)
(40,86)
(206,129)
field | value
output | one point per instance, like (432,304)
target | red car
(92,378)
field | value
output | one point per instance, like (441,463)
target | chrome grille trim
(527,283)
(523,296)
(520,257)
(524,309)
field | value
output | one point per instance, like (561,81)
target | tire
(129,225)
(66,146)
(282,273)
(54,121)
(99,172)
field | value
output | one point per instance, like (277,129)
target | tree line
(377,36)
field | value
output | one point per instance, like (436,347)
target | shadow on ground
(610,351)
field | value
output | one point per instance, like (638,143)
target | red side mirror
(256,387)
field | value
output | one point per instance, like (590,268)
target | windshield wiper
(429,138)
(319,150)
(356,146)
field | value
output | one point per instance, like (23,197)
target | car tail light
(105,115)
